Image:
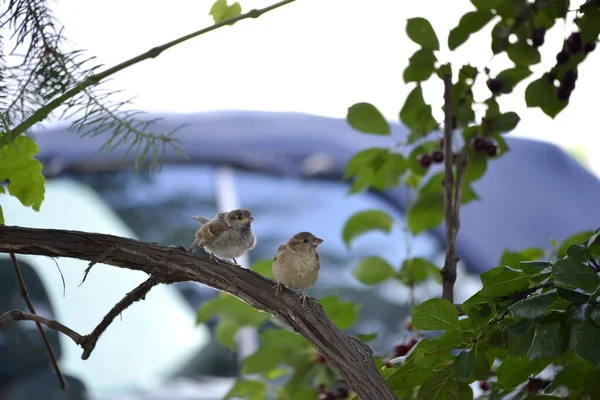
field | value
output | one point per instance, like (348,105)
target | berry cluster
(339,391)
(483,145)
(533,385)
(572,46)
(495,85)
(435,157)
(538,36)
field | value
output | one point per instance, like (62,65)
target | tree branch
(349,356)
(18,315)
(25,295)
(42,113)
(452,194)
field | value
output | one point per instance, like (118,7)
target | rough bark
(349,356)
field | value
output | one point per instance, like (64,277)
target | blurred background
(264,102)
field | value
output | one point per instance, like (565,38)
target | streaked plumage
(227,235)
(296,264)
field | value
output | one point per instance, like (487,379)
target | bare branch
(25,295)
(350,357)
(18,315)
(139,293)
(43,112)
(451,197)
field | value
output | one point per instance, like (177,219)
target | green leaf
(514,371)
(365,117)
(573,274)
(542,93)
(428,210)
(500,33)
(574,375)
(431,352)
(262,361)
(408,375)
(549,340)
(578,238)
(365,160)
(465,392)
(507,282)
(420,31)
(572,296)
(366,337)
(221,11)
(230,307)
(589,24)
(523,54)
(417,270)
(519,345)
(250,390)
(365,221)
(420,66)
(388,175)
(463,367)
(486,5)
(587,345)
(505,122)
(469,23)
(373,270)
(533,306)
(263,267)
(439,386)
(511,77)
(225,332)
(416,114)
(343,313)
(24,172)
(579,252)
(476,166)
(435,314)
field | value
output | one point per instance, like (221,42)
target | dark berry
(401,350)
(570,77)
(589,47)
(537,37)
(425,161)
(342,390)
(564,92)
(388,364)
(411,343)
(479,143)
(495,85)
(484,385)
(326,396)
(534,385)
(562,57)
(491,149)
(574,43)
(437,156)
(319,359)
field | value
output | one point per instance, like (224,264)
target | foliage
(532,331)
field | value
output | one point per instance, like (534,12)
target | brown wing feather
(209,232)
(278,250)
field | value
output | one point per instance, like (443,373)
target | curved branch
(349,356)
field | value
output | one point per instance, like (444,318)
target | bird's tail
(203,220)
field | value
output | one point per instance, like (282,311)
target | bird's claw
(277,288)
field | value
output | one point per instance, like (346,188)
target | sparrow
(228,235)
(296,263)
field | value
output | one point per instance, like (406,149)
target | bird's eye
(305,240)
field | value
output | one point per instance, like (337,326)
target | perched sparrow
(296,263)
(227,235)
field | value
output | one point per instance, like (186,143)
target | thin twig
(139,293)
(25,295)
(100,258)
(595,264)
(452,195)
(18,315)
(42,113)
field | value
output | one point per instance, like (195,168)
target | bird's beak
(317,241)
(247,220)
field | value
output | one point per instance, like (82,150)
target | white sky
(315,56)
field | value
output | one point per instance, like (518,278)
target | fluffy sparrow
(296,263)
(227,235)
